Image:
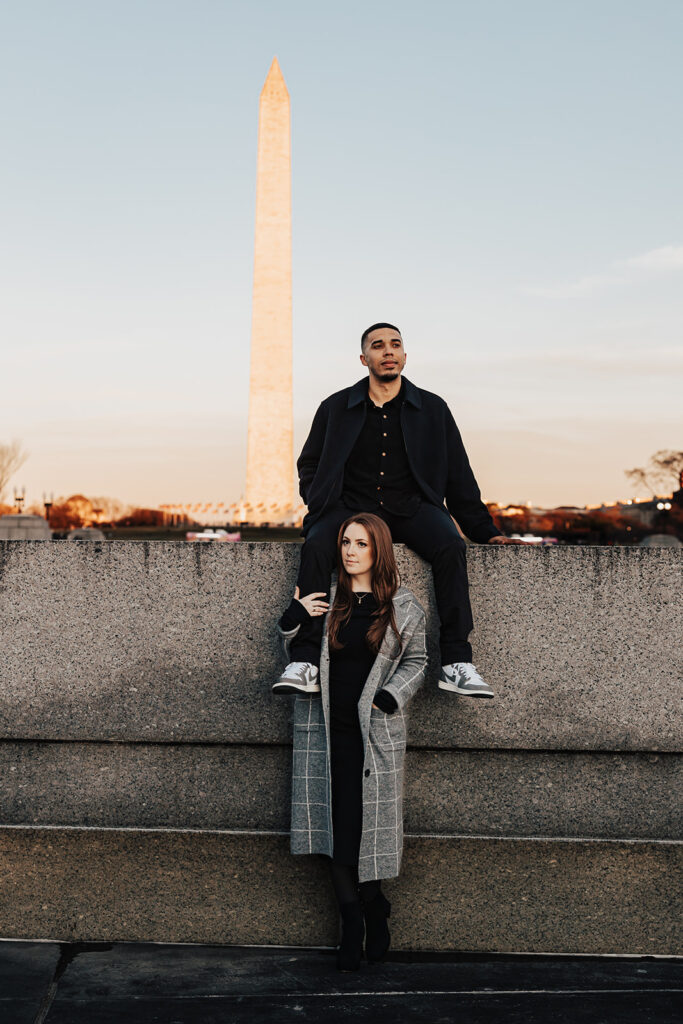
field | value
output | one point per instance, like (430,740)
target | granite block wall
(136,715)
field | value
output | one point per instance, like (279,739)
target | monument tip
(275,82)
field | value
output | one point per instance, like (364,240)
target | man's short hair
(376,327)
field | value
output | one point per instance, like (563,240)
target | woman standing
(350,731)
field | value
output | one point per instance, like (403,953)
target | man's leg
(318,559)
(433,535)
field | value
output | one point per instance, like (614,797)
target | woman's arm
(301,609)
(293,616)
(412,668)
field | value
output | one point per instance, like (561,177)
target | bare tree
(110,509)
(664,469)
(12,458)
(668,467)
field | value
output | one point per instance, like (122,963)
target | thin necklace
(360,595)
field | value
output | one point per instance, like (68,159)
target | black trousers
(433,535)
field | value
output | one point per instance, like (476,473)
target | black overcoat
(436,455)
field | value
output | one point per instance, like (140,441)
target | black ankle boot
(377,938)
(351,946)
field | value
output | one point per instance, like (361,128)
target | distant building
(646,511)
(24,527)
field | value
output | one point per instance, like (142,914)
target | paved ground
(52,983)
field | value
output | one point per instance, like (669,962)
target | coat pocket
(387,730)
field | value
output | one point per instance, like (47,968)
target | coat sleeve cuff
(389,688)
(386,701)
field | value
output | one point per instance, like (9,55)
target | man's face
(383,354)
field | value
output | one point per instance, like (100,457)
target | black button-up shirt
(377,475)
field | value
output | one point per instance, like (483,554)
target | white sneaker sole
(454,688)
(285,686)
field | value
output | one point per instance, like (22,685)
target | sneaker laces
(470,671)
(301,671)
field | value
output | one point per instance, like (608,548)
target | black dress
(349,670)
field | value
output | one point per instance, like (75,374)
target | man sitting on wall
(388,447)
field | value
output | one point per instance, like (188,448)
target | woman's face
(356,550)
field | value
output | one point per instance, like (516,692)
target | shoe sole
(454,688)
(294,688)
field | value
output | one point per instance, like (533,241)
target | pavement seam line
(399,993)
(157,830)
(48,999)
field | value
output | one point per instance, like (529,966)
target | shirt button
(384,416)
(381,472)
(384,435)
(367,772)
(384,453)
(379,488)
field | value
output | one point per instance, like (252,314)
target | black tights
(347,888)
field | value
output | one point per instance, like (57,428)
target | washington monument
(270,458)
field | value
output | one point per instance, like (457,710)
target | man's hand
(312,603)
(505,540)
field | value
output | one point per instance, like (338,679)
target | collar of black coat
(359,392)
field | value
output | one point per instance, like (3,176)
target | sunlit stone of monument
(270,468)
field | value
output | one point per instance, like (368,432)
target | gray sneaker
(462,677)
(298,677)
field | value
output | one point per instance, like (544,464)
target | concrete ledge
(453,894)
(505,793)
(174,642)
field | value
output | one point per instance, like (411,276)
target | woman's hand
(312,603)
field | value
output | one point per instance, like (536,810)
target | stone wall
(146,764)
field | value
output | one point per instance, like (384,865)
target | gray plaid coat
(384,741)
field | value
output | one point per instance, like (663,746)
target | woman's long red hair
(385,583)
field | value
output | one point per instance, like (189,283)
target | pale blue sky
(500,179)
